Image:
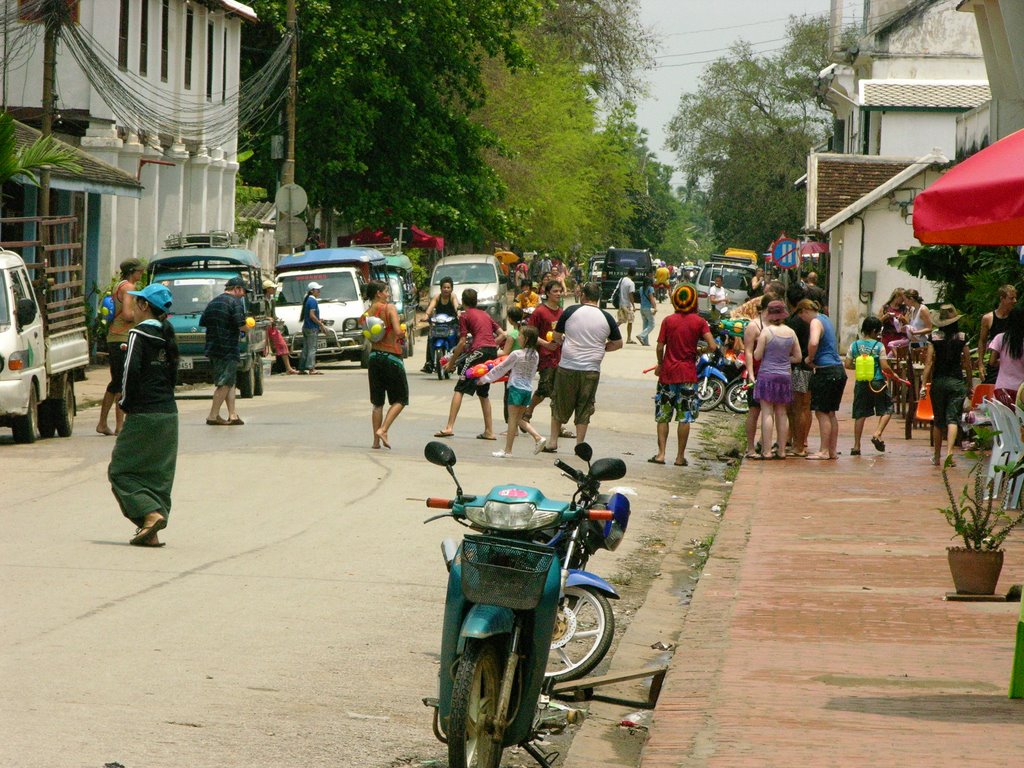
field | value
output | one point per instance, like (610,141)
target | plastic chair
(999,449)
(980,393)
(1013,448)
(924,413)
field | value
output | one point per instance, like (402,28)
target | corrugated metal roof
(95,176)
(924,94)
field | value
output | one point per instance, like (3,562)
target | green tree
(385,94)
(29,160)
(744,135)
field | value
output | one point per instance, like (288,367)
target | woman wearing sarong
(142,465)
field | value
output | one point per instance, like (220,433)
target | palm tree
(44,152)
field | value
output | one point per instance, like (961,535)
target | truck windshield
(192,294)
(465,273)
(5,309)
(337,286)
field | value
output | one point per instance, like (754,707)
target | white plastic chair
(1009,447)
(999,448)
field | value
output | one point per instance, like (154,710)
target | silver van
(479,271)
(736,279)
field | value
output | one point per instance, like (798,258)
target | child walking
(521,366)
(870,396)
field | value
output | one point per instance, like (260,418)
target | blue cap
(156,295)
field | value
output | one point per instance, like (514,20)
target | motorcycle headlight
(520,516)
(350,325)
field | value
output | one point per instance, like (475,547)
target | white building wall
(913,134)
(198,193)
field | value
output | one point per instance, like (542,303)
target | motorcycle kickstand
(536,754)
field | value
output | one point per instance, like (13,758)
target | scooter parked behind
(502,601)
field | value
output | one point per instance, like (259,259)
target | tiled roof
(261,210)
(932,94)
(842,180)
(93,170)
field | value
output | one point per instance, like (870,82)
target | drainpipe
(864,297)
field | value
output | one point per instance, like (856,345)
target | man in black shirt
(800,406)
(223,320)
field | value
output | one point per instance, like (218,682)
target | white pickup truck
(37,368)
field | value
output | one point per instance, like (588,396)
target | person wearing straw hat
(143,461)
(949,370)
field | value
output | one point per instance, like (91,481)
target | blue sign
(786,253)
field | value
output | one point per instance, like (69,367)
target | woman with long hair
(891,315)
(521,366)
(778,350)
(918,319)
(386,369)
(143,462)
(948,368)
(1006,354)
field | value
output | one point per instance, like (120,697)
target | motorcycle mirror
(607,469)
(439,454)
(584,451)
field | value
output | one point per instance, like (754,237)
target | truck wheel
(63,411)
(258,385)
(364,358)
(246,383)
(26,428)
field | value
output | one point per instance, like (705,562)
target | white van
(479,271)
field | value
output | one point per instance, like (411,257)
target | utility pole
(52,22)
(288,169)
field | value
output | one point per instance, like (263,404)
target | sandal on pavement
(235,422)
(143,535)
(218,422)
(855,452)
(442,433)
(656,460)
(879,443)
(683,463)
(485,436)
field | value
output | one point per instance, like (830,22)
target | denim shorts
(225,371)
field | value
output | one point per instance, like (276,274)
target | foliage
(385,93)
(975,517)
(744,135)
(607,40)
(247,226)
(45,151)
(968,276)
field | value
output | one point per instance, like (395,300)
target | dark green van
(617,262)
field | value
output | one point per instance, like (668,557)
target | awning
(809,248)
(370,236)
(978,202)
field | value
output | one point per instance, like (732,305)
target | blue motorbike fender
(716,374)
(483,621)
(587,579)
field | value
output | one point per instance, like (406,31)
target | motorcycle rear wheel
(711,392)
(736,397)
(584,628)
(471,737)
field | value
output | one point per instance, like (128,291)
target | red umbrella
(979,202)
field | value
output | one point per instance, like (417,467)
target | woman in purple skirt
(777,349)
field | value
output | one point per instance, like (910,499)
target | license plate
(321,344)
(184,363)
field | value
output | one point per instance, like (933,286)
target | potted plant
(982,521)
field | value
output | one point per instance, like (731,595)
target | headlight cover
(350,325)
(501,516)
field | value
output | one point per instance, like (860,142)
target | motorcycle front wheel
(710,391)
(438,368)
(736,397)
(472,742)
(584,628)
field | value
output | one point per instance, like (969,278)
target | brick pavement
(819,637)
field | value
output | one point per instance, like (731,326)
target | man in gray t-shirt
(585,333)
(626,288)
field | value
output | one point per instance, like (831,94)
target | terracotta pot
(975,572)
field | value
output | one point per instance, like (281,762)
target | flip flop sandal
(218,422)
(855,452)
(655,460)
(143,535)
(878,443)
(235,422)
(683,463)
(444,434)
(482,436)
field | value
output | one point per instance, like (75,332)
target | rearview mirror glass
(439,454)
(608,469)
(25,312)
(584,451)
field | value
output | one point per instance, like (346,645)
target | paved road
(293,617)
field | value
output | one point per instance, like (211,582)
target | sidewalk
(819,636)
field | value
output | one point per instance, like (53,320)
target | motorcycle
(711,381)
(585,624)
(443,336)
(502,603)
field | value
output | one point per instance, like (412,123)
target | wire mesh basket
(498,572)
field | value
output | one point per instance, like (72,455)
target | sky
(692,31)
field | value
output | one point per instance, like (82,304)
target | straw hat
(947,316)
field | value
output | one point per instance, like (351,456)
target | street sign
(786,253)
(290,232)
(291,199)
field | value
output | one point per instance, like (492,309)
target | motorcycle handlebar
(435,503)
(600,514)
(571,471)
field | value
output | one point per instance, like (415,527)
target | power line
(720,58)
(734,26)
(714,50)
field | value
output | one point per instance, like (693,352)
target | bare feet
(382,435)
(103,429)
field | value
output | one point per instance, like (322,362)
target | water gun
(892,375)
(735,326)
(484,368)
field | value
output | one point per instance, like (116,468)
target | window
(144,37)
(209,61)
(122,36)
(165,13)
(190,23)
